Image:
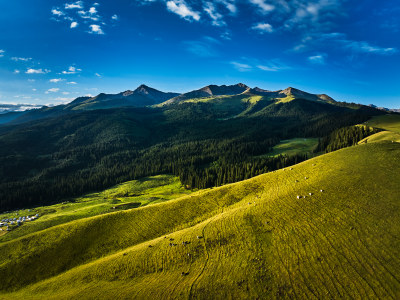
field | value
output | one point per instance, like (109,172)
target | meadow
(245,240)
(131,194)
(295,146)
(391,125)
(328,227)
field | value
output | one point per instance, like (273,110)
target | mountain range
(145,96)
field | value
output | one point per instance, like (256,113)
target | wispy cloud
(21,58)
(37,71)
(241,67)
(71,70)
(56,80)
(180,8)
(52,90)
(365,47)
(72,82)
(115,17)
(263,28)
(252,64)
(340,41)
(317,59)
(263,6)
(211,10)
(2,52)
(229,5)
(75,5)
(273,65)
(74,24)
(206,47)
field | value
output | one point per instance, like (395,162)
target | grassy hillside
(132,194)
(389,123)
(252,239)
(294,146)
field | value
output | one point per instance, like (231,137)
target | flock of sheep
(16,221)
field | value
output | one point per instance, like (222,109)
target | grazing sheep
(310,194)
(298,197)
(321,191)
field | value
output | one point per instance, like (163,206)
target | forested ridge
(49,160)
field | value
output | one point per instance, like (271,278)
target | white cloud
(180,8)
(37,71)
(96,29)
(21,58)
(74,5)
(34,90)
(71,70)
(74,24)
(263,6)
(93,10)
(229,5)
(211,10)
(317,59)
(2,53)
(72,82)
(263,28)
(52,90)
(241,67)
(115,17)
(65,93)
(55,80)
(97,74)
(57,12)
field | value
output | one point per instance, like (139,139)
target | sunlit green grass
(388,122)
(391,125)
(136,193)
(253,239)
(294,147)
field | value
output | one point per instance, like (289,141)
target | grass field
(294,146)
(253,239)
(132,194)
(391,125)
(387,122)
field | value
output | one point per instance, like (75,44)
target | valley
(287,199)
(252,238)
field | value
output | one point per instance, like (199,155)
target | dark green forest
(52,159)
(344,137)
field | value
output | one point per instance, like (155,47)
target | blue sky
(54,51)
